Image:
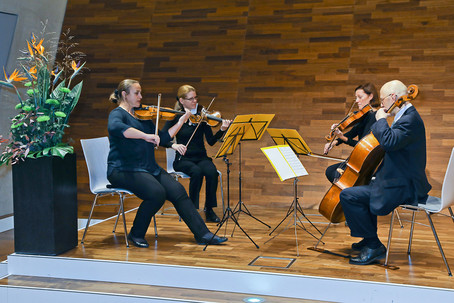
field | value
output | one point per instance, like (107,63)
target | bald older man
(400,178)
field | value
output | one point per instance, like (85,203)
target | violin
(412,93)
(149,112)
(349,121)
(212,118)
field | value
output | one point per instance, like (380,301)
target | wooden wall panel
(297,59)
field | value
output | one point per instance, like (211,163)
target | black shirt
(131,154)
(360,130)
(196,148)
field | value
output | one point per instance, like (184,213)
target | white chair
(433,205)
(95,152)
(170,157)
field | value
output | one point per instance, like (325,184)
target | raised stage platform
(176,269)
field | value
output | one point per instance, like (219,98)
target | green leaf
(43,118)
(53,101)
(43,83)
(60,114)
(57,93)
(65,90)
(18,106)
(28,84)
(27,108)
(16,125)
(75,95)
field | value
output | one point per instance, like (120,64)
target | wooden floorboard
(138,290)
(175,245)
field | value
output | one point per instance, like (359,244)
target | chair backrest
(447,189)
(170,156)
(96,151)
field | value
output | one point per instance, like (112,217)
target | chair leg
(89,219)
(155,227)
(124,220)
(116,220)
(438,242)
(410,238)
(398,218)
(451,213)
(390,234)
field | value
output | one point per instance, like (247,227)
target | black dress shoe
(359,245)
(209,239)
(369,255)
(211,216)
(139,242)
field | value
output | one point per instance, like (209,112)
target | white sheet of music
(284,161)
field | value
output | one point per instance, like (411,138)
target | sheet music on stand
(287,165)
(284,161)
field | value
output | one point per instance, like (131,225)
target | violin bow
(157,117)
(198,124)
(333,132)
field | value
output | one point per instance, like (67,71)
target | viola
(349,121)
(412,93)
(149,112)
(212,118)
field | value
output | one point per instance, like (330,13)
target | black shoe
(359,245)
(209,239)
(211,216)
(139,242)
(369,255)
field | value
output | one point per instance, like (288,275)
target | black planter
(45,205)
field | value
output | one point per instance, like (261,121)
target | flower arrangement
(37,130)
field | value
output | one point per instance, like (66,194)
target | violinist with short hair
(193,159)
(400,178)
(365,94)
(132,166)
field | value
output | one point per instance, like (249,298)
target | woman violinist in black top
(193,159)
(132,165)
(365,94)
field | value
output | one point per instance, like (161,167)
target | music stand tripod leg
(239,206)
(228,213)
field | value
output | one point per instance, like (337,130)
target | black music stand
(253,127)
(230,141)
(291,138)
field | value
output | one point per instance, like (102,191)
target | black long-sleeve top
(196,148)
(131,154)
(359,130)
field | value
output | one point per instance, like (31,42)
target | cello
(360,167)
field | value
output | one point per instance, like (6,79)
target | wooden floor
(175,245)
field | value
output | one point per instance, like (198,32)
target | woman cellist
(366,97)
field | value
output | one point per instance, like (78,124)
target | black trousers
(355,202)
(154,191)
(331,172)
(197,169)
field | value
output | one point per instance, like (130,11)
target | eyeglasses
(192,98)
(383,99)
